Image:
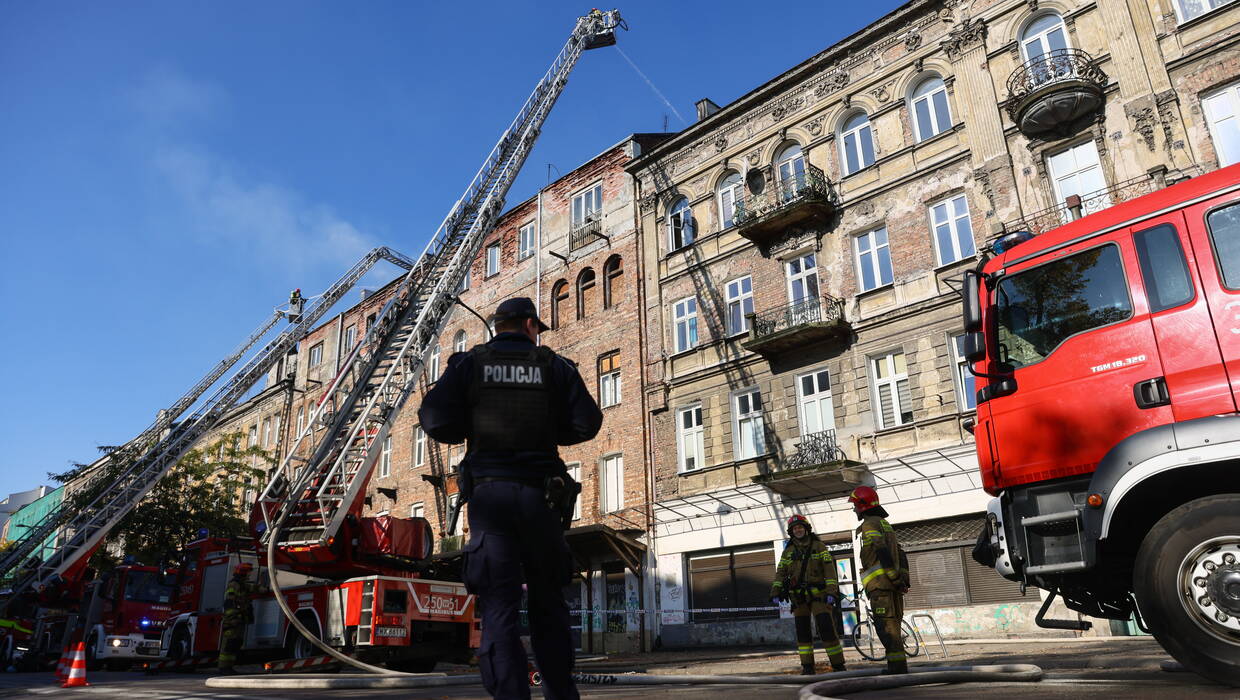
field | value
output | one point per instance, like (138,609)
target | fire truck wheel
(92,652)
(1187,582)
(299,647)
(179,648)
(6,656)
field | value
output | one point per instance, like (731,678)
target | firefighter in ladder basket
(884,574)
(514,402)
(806,577)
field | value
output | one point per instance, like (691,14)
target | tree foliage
(204,489)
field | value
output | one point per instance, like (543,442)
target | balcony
(585,233)
(798,201)
(796,325)
(818,469)
(1076,206)
(1054,94)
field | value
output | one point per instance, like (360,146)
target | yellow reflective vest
(820,577)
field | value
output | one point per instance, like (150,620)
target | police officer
(806,577)
(514,402)
(884,574)
(238,612)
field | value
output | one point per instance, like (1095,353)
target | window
(930,112)
(740,303)
(679,225)
(814,401)
(585,292)
(253,441)
(750,436)
(1225,238)
(1041,307)
(301,420)
(1163,267)
(613,270)
(1222,110)
(966,383)
(432,365)
(266,432)
(873,259)
(350,337)
(559,298)
(385,457)
(736,578)
(419,447)
(953,233)
(492,259)
(892,397)
(802,279)
(1043,36)
(690,438)
(790,164)
(459,529)
(731,198)
(587,205)
(609,379)
(856,143)
(316,355)
(464,282)
(574,471)
(1192,9)
(525,241)
(459,342)
(612,480)
(1077,171)
(417,510)
(684,313)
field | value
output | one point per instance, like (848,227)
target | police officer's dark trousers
(514,535)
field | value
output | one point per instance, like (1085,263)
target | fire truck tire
(6,656)
(179,647)
(1190,557)
(297,646)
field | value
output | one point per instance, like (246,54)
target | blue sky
(170,170)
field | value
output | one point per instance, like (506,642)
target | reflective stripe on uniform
(871,573)
(837,649)
(897,656)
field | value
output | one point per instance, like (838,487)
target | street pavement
(1102,669)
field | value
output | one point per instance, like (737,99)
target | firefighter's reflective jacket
(884,566)
(237,606)
(819,580)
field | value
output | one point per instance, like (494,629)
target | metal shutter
(987,586)
(937,579)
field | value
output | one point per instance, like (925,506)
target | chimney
(705,108)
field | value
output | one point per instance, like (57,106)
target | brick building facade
(804,245)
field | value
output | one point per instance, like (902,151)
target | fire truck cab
(1108,360)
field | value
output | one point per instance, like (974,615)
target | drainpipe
(647,439)
(538,253)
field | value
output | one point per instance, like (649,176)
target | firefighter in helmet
(806,577)
(884,574)
(238,612)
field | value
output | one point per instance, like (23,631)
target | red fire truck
(399,620)
(1107,353)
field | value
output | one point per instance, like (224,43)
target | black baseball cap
(519,307)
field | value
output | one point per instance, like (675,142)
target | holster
(561,493)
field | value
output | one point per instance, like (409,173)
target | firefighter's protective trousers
(884,579)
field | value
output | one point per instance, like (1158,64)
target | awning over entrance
(592,546)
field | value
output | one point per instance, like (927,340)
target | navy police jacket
(573,414)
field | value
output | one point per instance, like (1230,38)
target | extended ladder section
(320,482)
(143,461)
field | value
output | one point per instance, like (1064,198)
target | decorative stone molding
(814,127)
(1168,114)
(912,40)
(1033,5)
(754,157)
(721,144)
(647,202)
(1143,120)
(785,107)
(968,35)
(882,93)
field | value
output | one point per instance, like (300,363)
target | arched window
(585,292)
(790,164)
(856,143)
(931,115)
(680,228)
(1044,44)
(731,198)
(613,270)
(559,298)
(458,341)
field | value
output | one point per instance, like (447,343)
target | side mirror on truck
(972,301)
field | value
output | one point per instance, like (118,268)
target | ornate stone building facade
(803,245)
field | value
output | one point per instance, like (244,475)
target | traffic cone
(77,669)
(62,666)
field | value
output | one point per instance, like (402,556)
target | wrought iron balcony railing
(1075,207)
(827,309)
(585,233)
(1071,69)
(810,186)
(815,449)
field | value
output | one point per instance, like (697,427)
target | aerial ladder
(145,459)
(307,513)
